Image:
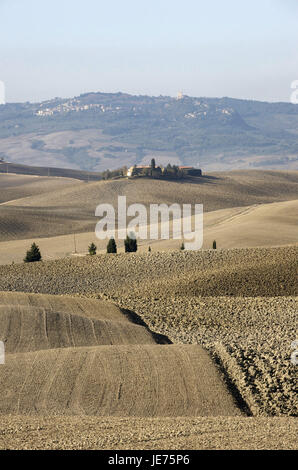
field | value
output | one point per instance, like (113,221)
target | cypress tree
(33,254)
(92,249)
(111,246)
(130,244)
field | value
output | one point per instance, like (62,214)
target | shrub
(214,245)
(33,254)
(92,249)
(182,247)
(130,244)
(111,246)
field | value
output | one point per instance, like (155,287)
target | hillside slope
(60,363)
(262,225)
(250,272)
(96,131)
(115,381)
(71,209)
(14,187)
(240,304)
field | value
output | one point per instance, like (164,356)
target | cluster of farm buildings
(138,170)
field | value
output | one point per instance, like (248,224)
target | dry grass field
(15,187)
(241,209)
(168,349)
(71,208)
(253,226)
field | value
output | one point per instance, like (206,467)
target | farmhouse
(142,170)
(137,170)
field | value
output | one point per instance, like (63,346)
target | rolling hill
(175,349)
(96,131)
(61,209)
(68,364)
(260,225)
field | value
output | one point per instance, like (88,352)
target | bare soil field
(31,328)
(85,308)
(239,304)
(60,363)
(241,272)
(204,433)
(141,380)
(50,171)
(168,349)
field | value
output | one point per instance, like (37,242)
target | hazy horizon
(62,49)
(141,94)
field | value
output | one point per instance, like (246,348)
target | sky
(236,48)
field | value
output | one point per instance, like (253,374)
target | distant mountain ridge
(96,131)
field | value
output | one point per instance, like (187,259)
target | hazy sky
(237,48)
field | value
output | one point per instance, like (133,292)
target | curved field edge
(26,329)
(248,338)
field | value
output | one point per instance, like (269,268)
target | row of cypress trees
(130,245)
